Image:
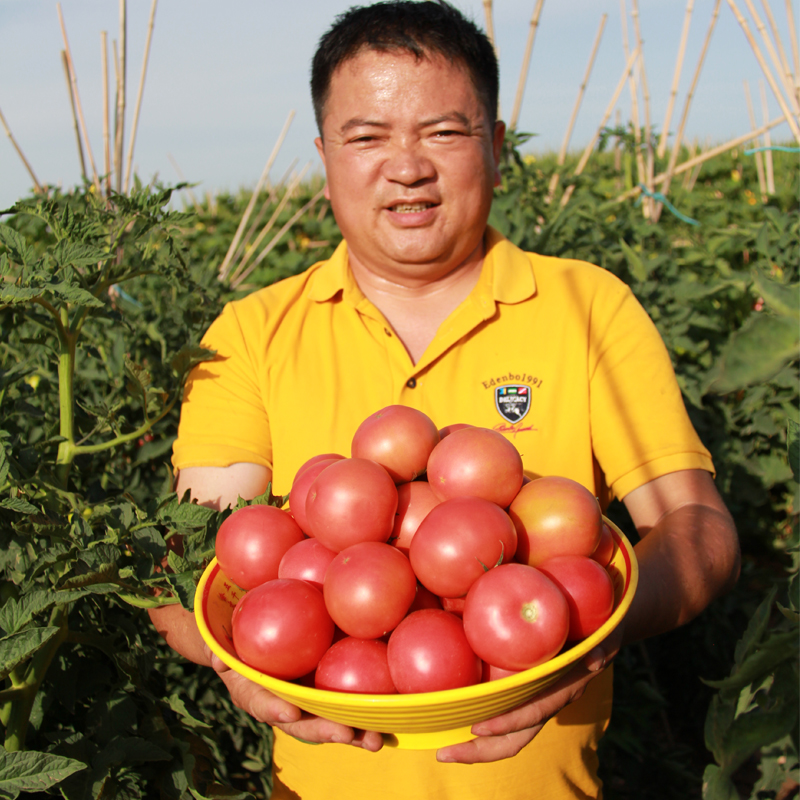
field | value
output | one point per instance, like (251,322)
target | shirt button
(387,331)
(411,383)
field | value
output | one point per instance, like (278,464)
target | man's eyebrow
(452,116)
(358,122)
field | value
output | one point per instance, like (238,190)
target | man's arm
(220,487)
(688,555)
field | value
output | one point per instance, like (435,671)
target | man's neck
(415,310)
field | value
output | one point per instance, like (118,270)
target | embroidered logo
(513,401)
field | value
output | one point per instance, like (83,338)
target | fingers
(488,748)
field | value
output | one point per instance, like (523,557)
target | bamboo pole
(691,163)
(795,46)
(762,184)
(787,70)
(119,123)
(648,169)
(224,267)
(526,60)
(676,145)
(590,147)
(637,134)
(287,195)
(676,77)
(788,87)
(562,153)
(106,144)
(25,162)
(74,81)
(692,153)
(767,140)
(279,235)
(793,123)
(487,13)
(65,64)
(137,108)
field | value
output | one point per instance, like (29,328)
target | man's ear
(320,145)
(497,148)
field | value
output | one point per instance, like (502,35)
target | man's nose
(408,164)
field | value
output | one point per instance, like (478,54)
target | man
(424,305)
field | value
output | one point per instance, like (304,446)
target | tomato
(424,599)
(282,628)
(351,501)
(448,429)
(455,605)
(414,501)
(493,673)
(588,589)
(515,617)
(368,589)
(458,541)
(300,486)
(316,459)
(355,665)
(252,541)
(399,438)
(475,462)
(605,549)
(428,652)
(555,516)
(306,561)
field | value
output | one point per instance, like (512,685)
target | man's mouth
(411,208)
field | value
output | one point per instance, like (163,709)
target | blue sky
(222,78)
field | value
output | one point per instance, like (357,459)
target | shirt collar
(507,273)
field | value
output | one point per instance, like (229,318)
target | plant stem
(66,399)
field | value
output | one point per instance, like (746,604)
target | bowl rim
(353,701)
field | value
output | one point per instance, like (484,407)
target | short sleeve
(223,416)
(640,427)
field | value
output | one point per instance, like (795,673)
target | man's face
(411,163)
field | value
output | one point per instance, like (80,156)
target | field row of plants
(103,302)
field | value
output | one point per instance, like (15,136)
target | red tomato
(588,589)
(428,652)
(475,462)
(351,501)
(448,429)
(455,605)
(306,561)
(515,617)
(252,541)
(458,541)
(493,673)
(605,549)
(399,438)
(282,628)
(414,501)
(315,459)
(300,486)
(424,599)
(368,589)
(555,517)
(355,665)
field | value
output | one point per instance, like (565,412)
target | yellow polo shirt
(557,355)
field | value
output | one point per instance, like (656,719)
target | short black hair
(420,28)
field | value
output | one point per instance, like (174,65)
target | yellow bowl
(411,721)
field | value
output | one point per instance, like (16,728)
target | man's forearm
(179,629)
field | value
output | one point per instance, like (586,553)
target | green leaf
(177,704)
(717,785)
(756,352)
(19,505)
(778,648)
(188,356)
(14,649)
(756,628)
(76,295)
(793,448)
(177,563)
(780,298)
(16,244)
(33,772)
(14,295)
(77,254)
(183,586)
(635,263)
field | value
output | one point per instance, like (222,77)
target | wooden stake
(590,147)
(692,154)
(787,70)
(65,64)
(25,162)
(788,86)
(119,124)
(526,60)
(562,154)
(106,143)
(676,77)
(224,267)
(487,13)
(135,125)
(648,168)
(676,145)
(793,123)
(767,140)
(74,81)
(795,46)
(637,133)
(762,185)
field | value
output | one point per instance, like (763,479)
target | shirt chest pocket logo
(513,401)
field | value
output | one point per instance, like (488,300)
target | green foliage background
(110,711)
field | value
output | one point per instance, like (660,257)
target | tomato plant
(355,665)
(398,438)
(515,617)
(555,516)
(368,589)
(475,462)
(282,628)
(428,652)
(252,541)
